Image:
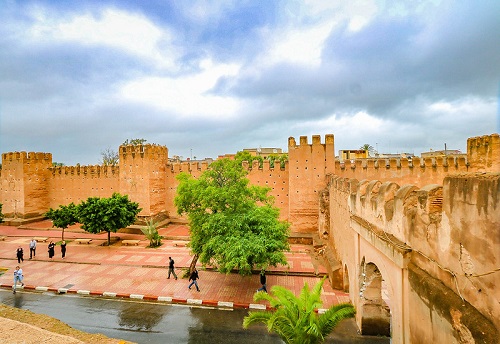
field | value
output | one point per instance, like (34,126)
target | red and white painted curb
(167,299)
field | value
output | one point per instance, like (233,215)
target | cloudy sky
(206,78)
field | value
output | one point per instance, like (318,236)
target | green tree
(151,233)
(109,157)
(295,319)
(246,156)
(1,214)
(281,158)
(107,214)
(232,225)
(57,164)
(63,217)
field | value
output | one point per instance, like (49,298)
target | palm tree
(368,148)
(295,319)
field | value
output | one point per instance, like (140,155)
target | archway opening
(376,314)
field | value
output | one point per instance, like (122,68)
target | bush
(151,233)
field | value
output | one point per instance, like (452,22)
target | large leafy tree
(107,214)
(63,217)
(233,225)
(295,319)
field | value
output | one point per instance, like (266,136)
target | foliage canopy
(295,319)
(233,225)
(107,214)
(63,217)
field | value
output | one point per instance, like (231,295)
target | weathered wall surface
(25,183)
(483,153)
(77,183)
(450,236)
(418,172)
(308,167)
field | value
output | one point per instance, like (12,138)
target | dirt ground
(24,326)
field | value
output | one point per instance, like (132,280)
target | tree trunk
(62,235)
(109,238)
(193,263)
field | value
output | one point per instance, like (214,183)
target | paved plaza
(139,272)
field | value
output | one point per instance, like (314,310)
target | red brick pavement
(140,272)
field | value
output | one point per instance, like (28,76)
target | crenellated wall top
(316,140)
(26,156)
(397,163)
(84,170)
(147,149)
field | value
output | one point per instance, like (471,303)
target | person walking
(171,268)
(263,281)
(63,249)
(194,276)
(20,255)
(32,248)
(18,276)
(51,249)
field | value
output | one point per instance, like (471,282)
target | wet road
(148,322)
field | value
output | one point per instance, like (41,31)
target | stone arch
(375,310)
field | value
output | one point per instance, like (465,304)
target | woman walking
(20,255)
(63,249)
(51,249)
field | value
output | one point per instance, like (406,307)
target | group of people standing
(33,244)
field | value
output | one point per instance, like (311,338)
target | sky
(207,78)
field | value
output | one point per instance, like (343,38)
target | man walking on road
(32,248)
(171,268)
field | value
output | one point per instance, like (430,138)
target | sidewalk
(139,272)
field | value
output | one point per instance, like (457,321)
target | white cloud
(188,96)
(308,26)
(129,32)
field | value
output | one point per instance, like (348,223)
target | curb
(163,299)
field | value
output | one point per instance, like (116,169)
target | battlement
(143,150)
(26,157)
(91,170)
(483,152)
(398,163)
(416,171)
(316,140)
(188,166)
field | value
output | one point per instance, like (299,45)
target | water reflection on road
(148,322)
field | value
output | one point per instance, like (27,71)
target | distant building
(351,154)
(263,152)
(442,153)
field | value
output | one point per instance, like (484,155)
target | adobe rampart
(425,231)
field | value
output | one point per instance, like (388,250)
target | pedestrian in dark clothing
(263,282)
(32,248)
(20,255)
(194,276)
(171,268)
(51,249)
(63,249)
